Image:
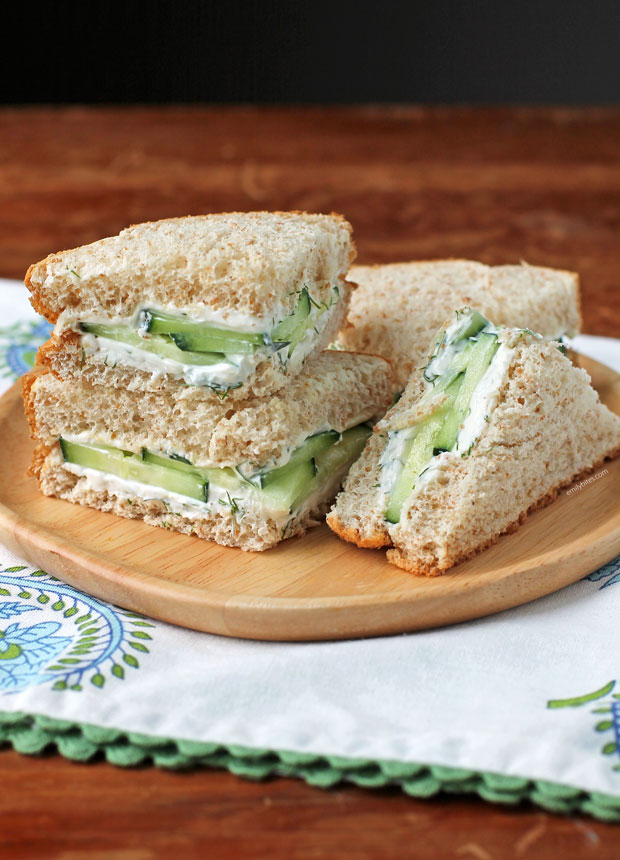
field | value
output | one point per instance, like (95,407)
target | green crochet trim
(32,734)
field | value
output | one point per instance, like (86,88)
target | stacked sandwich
(185,382)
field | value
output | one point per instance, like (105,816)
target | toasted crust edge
(375,541)
(27,381)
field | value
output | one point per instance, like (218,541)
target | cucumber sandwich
(232,303)
(246,476)
(397,307)
(494,425)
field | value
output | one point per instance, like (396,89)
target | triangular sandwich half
(397,308)
(245,477)
(494,426)
(233,303)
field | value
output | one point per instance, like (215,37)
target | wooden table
(496,185)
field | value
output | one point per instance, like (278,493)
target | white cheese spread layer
(226,319)
(224,374)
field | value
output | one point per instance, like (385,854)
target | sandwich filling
(312,473)
(463,378)
(220,352)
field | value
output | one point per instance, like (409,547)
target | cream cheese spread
(224,374)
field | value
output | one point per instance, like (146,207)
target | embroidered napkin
(523,704)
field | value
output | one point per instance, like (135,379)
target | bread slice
(237,272)
(339,392)
(397,308)
(232,262)
(547,428)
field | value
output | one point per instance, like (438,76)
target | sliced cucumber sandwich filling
(206,353)
(315,466)
(462,378)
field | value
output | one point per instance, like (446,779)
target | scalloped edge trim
(32,734)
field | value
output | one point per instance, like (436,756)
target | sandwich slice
(494,426)
(231,303)
(397,308)
(245,477)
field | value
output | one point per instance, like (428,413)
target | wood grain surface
(308,588)
(501,185)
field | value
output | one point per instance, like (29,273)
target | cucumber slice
(157,344)
(225,478)
(290,326)
(282,487)
(132,467)
(200,337)
(418,453)
(299,481)
(206,343)
(470,323)
(481,357)
(336,460)
(313,446)
(446,438)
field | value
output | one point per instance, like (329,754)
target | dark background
(528,51)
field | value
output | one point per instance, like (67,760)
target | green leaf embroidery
(98,680)
(118,671)
(140,634)
(139,647)
(575,701)
(131,660)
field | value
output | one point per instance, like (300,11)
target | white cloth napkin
(513,693)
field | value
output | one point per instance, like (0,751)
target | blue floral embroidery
(19,344)
(610,572)
(25,652)
(87,640)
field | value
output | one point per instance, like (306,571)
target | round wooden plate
(309,588)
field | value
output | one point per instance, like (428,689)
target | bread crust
(27,382)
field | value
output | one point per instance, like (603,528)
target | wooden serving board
(308,588)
